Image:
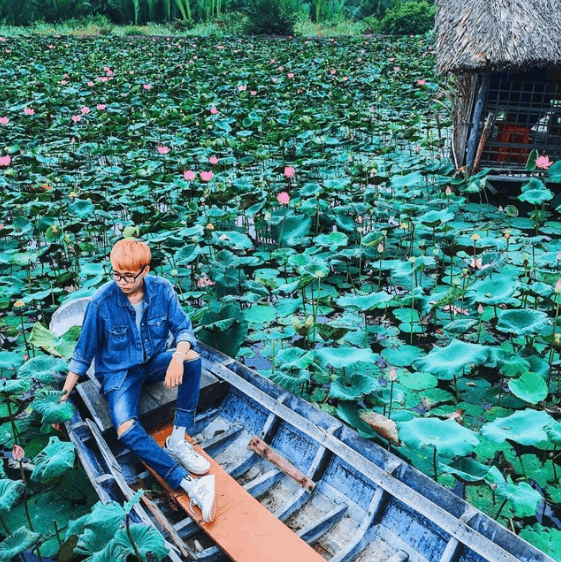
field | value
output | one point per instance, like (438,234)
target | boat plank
(245,530)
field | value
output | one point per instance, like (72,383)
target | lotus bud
(480,309)
(501,210)
(18,453)
(412,260)
(448,191)
(380,247)
(556,338)
(494,486)
(475,237)
(558,286)
(393,374)
(558,256)
(19,304)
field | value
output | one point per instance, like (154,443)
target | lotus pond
(299,196)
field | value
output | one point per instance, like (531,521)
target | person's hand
(174,374)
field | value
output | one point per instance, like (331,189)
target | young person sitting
(125,329)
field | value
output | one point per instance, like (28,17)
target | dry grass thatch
(482,35)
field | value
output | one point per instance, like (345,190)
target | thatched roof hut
(484,35)
(506,56)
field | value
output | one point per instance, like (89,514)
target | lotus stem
(137,554)
(496,518)
(434,464)
(552,344)
(391,401)
(57,533)
(553,457)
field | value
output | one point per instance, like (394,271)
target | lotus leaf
(460,326)
(548,540)
(293,380)
(343,357)
(61,346)
(233,239)
(382,425)
(353,387)
(402,356)
(466,469)
(449,438)
(10,361)
(260,315)
(47,403)
(349,413)
(229,339)
(417,381)
(452,361)
(553,430)
(333,241)
(434,219)
(10,492)
(522,322)
(82,209)
(294,358)
(42,368)
(10,387)
(19,541)
(525,427)
(366,302)
(146,540)
(529,387)
(53,461)
(523,498)
(497,289)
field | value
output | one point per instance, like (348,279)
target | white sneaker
(202,495)
(188,457)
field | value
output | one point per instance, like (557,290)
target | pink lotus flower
(63,82)
(396,68)
(206,176)
(103,79)
(147,86)
(5,160)
(283,198)
(272,61)
(163,149)
(131,71)
(205,281)
(189,175)
(280,68)
(4,120)
(18,453)
(289,172)
(290,75)
(76,118)
(213,111)
(90,83)
(100,106)
(242,88)
(391,59)
(543,162)
(253,92)
(333,71)
(85,110)
(213,160)
(29,111)
(421,82)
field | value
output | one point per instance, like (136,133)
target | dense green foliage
(305,210)
(272,17)
(409,18)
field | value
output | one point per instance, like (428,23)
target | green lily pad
(402,356)
(497,289)
(453,360)
(54,460)
(343,357)
(525,427)
(466,469)
(448,437)
(145,540)
(10,492)
(42,368)
(353,387)
(19,541)
(523,498)
(366,302)
(417,381)
(529,387)
(522,322)
(48,404)
(548,540)
(259,314)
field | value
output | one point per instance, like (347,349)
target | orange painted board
(243,528)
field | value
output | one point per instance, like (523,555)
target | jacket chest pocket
(158,326)
(118,338)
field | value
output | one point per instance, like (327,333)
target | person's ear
(146,270)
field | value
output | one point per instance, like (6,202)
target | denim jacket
(110,336)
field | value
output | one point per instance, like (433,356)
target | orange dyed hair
(130,255)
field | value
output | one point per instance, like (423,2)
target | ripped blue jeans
(123,404)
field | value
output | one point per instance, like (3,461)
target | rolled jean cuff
(176,474)
(186,419)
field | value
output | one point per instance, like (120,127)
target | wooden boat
(344,495)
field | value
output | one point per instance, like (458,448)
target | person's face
(130,281)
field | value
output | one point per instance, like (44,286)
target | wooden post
(472,142)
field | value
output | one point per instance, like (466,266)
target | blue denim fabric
(110,336)
(123,404)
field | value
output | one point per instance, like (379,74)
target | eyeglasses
(127,277)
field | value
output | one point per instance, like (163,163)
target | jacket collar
(148,292)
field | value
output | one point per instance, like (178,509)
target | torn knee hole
(123,427)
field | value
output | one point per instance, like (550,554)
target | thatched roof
(480,35)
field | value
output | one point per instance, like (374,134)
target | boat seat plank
(243,528)
(155,398)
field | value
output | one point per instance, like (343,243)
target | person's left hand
(174,374)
